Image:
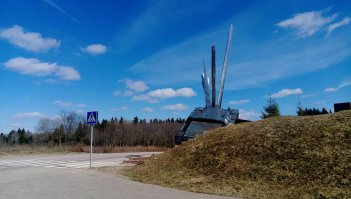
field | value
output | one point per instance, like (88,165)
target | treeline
(271,109)
(117,132)
(20,136)
(311,111)
(71,129)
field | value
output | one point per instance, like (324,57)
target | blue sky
(144,58)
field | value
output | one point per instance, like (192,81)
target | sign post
(92,119)
(91,142)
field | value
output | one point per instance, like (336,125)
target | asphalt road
(69,176)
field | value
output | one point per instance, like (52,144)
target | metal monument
(212,115)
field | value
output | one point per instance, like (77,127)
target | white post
(91,142)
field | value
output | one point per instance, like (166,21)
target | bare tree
(45,125)
(70,122)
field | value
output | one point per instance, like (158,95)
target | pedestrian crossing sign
(92,117)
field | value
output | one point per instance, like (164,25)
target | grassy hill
(281,157)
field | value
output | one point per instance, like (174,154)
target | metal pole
(213,76)
(91,142)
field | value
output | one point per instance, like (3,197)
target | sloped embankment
(282,157)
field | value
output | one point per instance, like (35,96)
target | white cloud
(144,97)
(287,92)
(170,93)
(50,81)
(238,102)
(136,90)
(340,86)
(80,105)
(69,104)
(62,103)
(185,92)
(136,86)
(132,87)
(165,93)
(307,23)
(330,89)
(79,111)
(95,49)
(67,73)
(32,66)
(248,115)
(336,25)
(116,93)
(148,109)
(31,41)
(176,107)
(28,115)
(123,108)
(128,93)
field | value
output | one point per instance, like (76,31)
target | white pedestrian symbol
(91,118)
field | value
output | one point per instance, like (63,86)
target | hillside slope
(281,157)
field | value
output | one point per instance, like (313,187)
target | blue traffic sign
(92,117)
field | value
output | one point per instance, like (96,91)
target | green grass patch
(280,157)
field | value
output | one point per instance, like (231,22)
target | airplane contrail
(53,4)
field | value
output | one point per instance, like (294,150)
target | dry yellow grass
(28,150)
(282,157)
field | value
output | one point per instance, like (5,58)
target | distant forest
(71,129)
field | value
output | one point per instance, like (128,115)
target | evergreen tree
(79,133)
(104,124)
(135,120)
(300,111)
(22,136)
(324,111)
(58,134)
(2,138)
(271,109)
(29,137)
(121,120)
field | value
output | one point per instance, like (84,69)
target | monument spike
(224,69)
(206,86)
